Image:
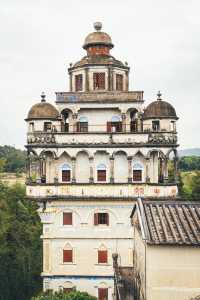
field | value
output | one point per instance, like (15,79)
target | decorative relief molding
(160,138)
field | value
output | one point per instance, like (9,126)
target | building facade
(89,157)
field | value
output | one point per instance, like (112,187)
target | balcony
(101,138)
(104,191)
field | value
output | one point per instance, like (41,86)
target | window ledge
(103,265)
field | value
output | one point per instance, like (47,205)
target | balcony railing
(40,137)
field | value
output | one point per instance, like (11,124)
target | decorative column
(127,81)
(165,169)
(86,80)
(74,118)
(91,161)
(123,122)
(147,169)
(110,79)
(70,81)
(111,169)
(28,165)
(73,169)
(130,175)
(176,168)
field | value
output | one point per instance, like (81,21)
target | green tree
(15,159)
(20,245)
(196,186)
(64,296)
(2,164)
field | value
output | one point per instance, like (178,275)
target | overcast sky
(159,39)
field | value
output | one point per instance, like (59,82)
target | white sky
(160,40)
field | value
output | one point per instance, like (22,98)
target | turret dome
(159,109)
(43,110)
(98,38)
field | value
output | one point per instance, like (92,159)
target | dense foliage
(189,163)
(65,296)
(20,245)
(11,159)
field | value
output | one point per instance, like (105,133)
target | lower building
(166,250)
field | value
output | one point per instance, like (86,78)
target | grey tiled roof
(170,222)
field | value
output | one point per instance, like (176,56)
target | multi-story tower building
(90,157)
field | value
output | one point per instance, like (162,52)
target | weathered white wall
(82,167)
(120,167)
(173,272)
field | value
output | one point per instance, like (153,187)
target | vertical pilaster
(165,168)
(73,169)
(74,118)
(91,161)
(86,80)
(147,169)
(130,169)
(110,79)
(127,81)
(111,169)
(123,122)
(70,82)
(176,168)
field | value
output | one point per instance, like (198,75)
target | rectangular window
(102,294)
(116,126)
(137,175)
(156,125)
(101,219)
(82,127)
(67,256)
(66,175)
(102,256)
(101,175)
(67,218)
(119,82)
(79,82)
(99,81)
(47,126)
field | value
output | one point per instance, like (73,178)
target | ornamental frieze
(41,139)
(160,138)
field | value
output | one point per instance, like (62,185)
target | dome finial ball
(97,26)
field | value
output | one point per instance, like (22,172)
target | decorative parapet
(70,97)
(129,138)
(47,215)
(162,138)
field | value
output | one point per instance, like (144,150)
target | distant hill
(189,152)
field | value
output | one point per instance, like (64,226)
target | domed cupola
(159,110)
(98,42)
(43,110)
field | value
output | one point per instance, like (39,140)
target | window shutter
(102,256)
(102,294)
(67,218)
(108,126)
(96,219)
(67,255)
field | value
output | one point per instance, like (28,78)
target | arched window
(82,125)
(115,125)
(101,172)
(137,172)
(66,173)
